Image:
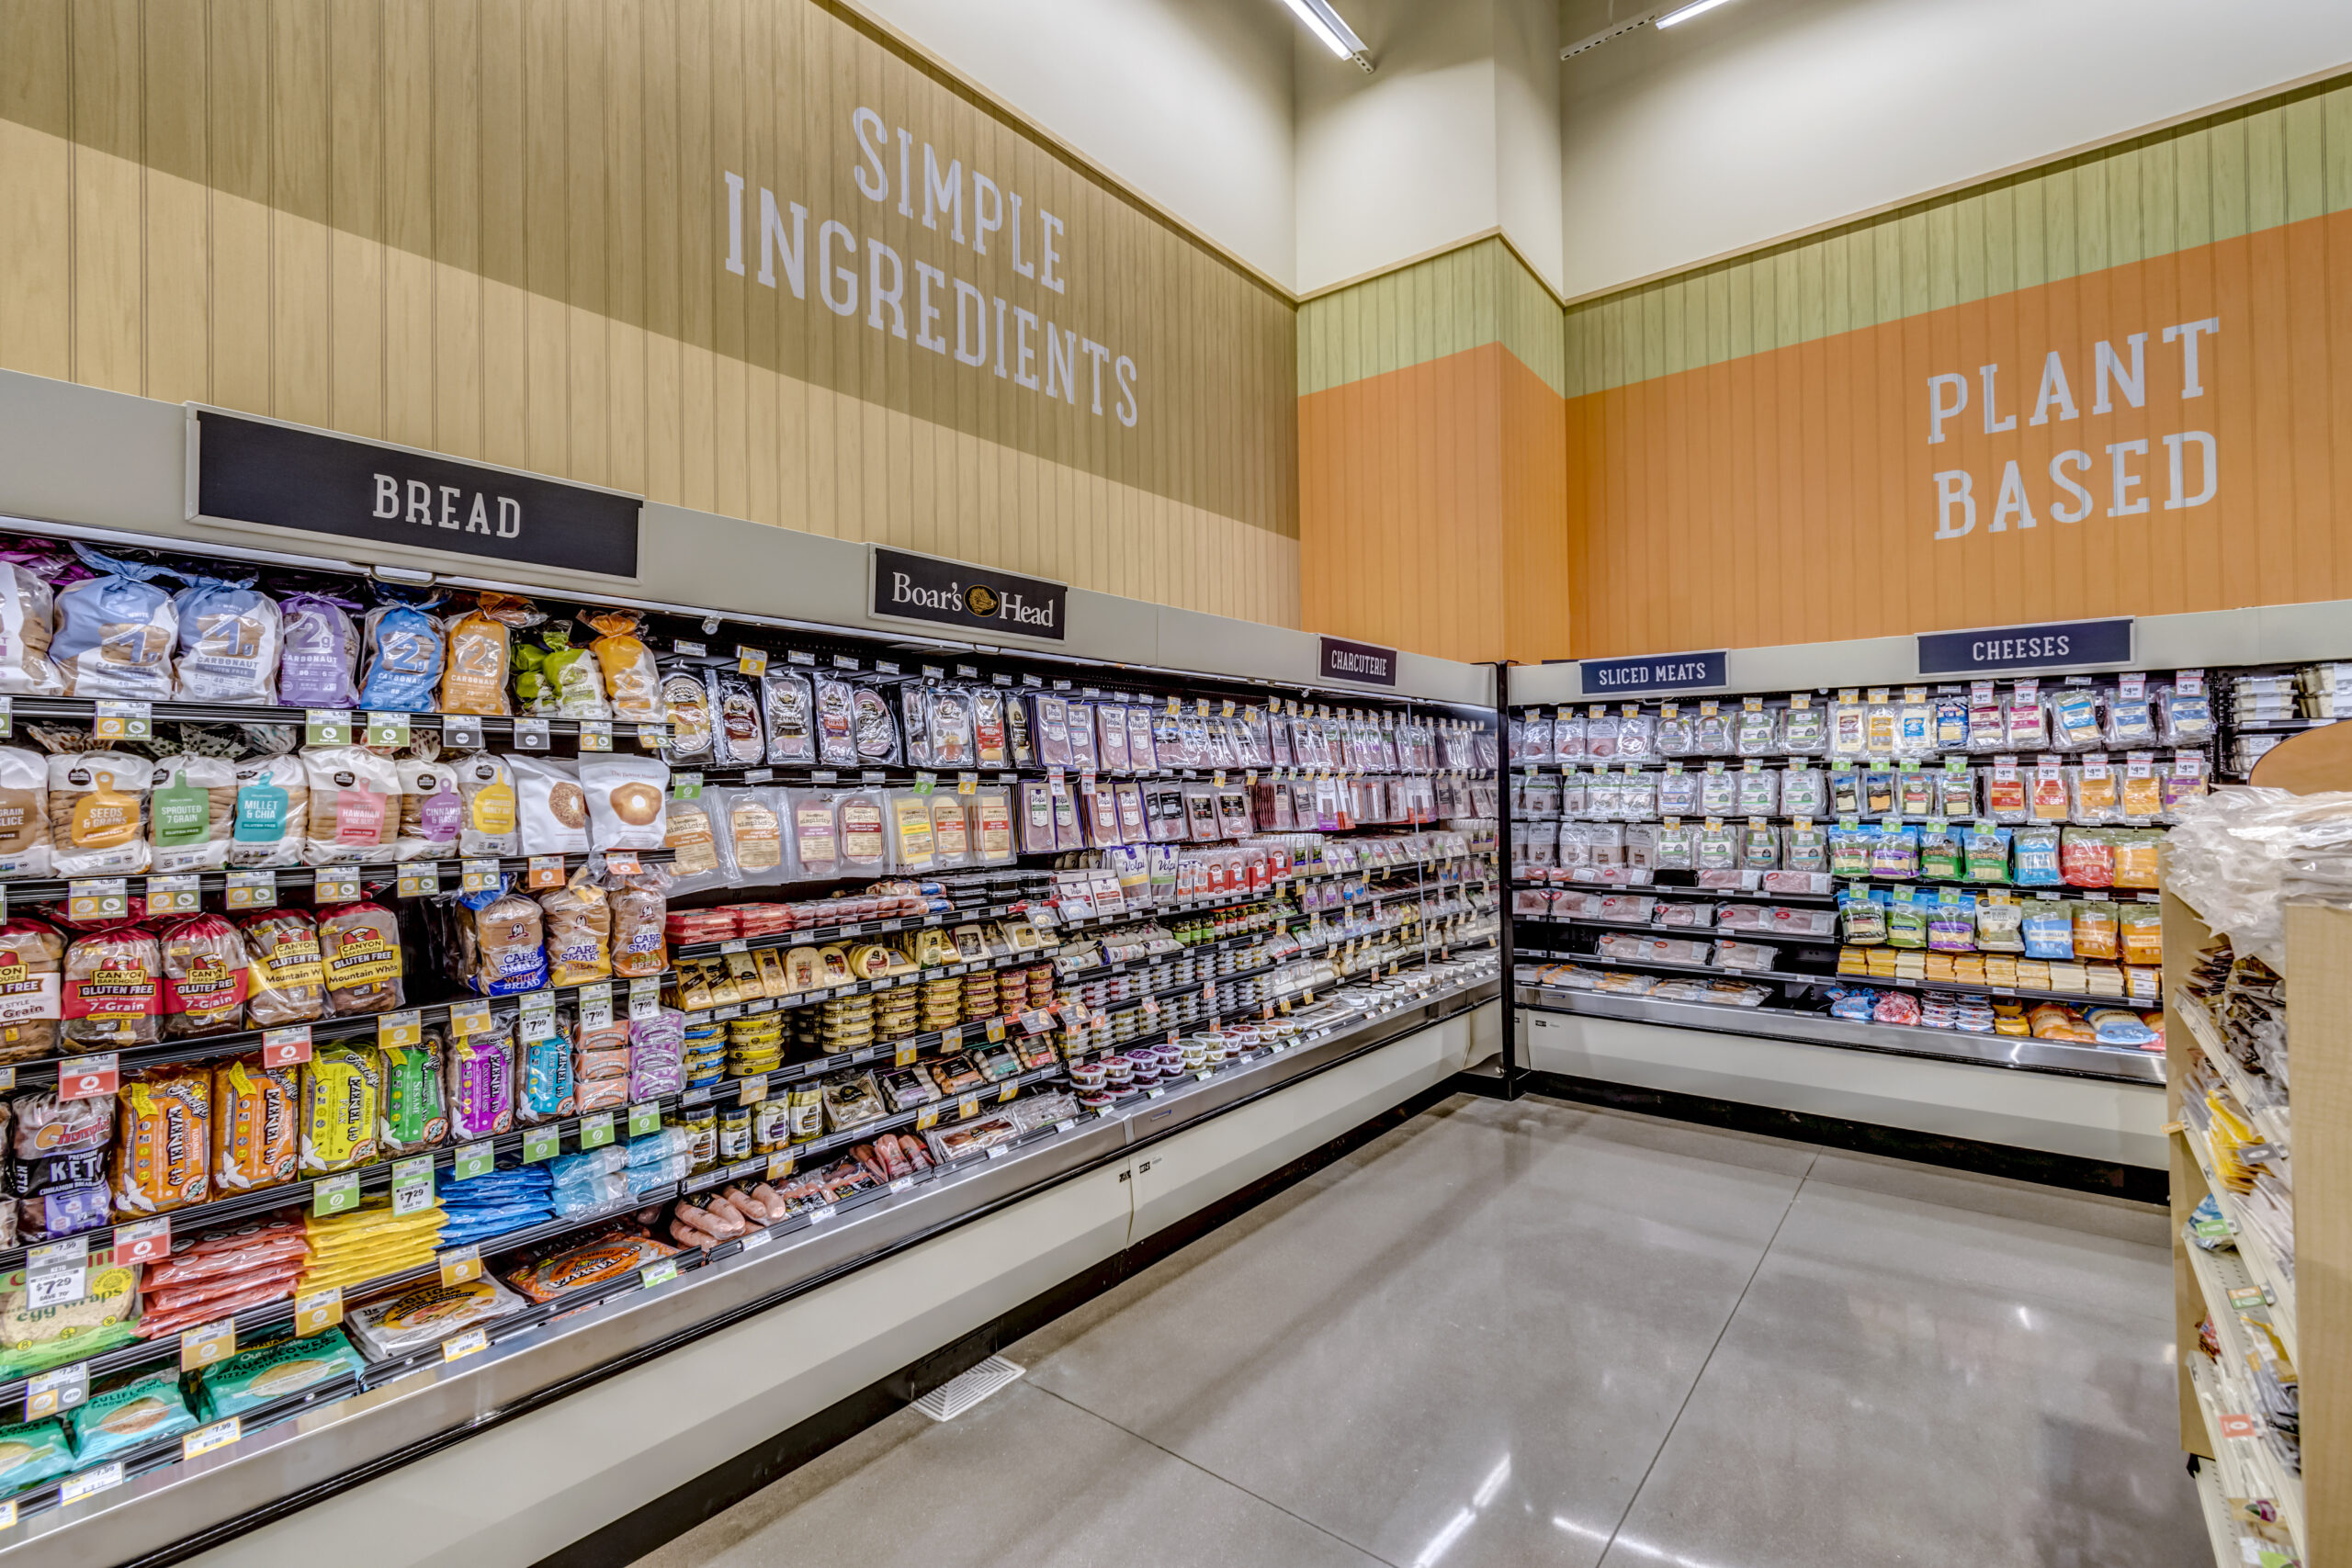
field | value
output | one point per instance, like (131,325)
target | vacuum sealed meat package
(96,813)
(876,732)
(789,704)
(117,631)
(229,639)
(191,814)
(949,727)
(836,723)
(757,838)
(991,745)
(737,738)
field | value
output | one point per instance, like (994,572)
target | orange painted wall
(1789,496)
(1429,508)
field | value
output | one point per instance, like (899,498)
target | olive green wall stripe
(1465,299)
(2251,168)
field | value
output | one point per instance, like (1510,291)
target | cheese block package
(230,637)
(992,829)
(284,976)
(163,1150)
(623,795)
(630,674)
(402,650)
(204,976)
(28,619)
(97,813)
(413,1110)
(254,1112)
(355,814)
(487,820)
(480,653)
(115,632)
(342,1097)
(551,807)
(24,832)
(113,989)
(431,810)
(267,1373)
(951,829)
(906,822)
(360,946)
(136,1413)
(788,704)
(319,667)
(32,957)
(191,814)
(422,1317)
(272,812)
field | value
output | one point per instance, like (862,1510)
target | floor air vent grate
(962,1392)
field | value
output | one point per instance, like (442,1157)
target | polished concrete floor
(1542,1334)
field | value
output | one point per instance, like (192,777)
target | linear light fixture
(1684,12)
(1328,25)
(1656,16)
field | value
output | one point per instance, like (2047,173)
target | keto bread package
(230,637)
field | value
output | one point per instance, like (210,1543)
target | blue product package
(2036,852)
(520,967)
(404,651)
(136,1413)
(229,635)
(546,1091)
(31,1453)
(115,632)
(1853,1002)
(2119,1026)
(590,1178)
(2049,933)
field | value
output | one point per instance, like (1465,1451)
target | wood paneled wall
(1750,444)
(499,229)
(1432,485)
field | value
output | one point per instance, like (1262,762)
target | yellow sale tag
(906,1053)
(1004,1094)
(318,1312)
(398,1028)
(753,1090)
(996,1028)
(465,1344)
(208,1342)
(461,1264)
(927,1118)
(779,1166)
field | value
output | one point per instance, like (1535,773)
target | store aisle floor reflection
(1537,1333)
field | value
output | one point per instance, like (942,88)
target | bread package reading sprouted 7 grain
(191,814)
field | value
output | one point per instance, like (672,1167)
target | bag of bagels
(551,808)
(624,796)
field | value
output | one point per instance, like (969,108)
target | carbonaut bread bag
(481,654)
(117,630)
(230,636)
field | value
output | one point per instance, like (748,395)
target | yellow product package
(341,1089)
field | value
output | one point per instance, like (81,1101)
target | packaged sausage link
(320,666)
(31,961)
(191,814)
(480,653)
(360,946)
(163,1152)
(112,994)
(228,638)
(255,1110)
(624,796)
(629,671)
(551,809)
(204,976)
(115,632)
(284,977)
(354,806)
(96,813)
(342,1096)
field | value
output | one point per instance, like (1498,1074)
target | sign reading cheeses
(941,302)
(314,481)
(971,598)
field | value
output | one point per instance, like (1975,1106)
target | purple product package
(481,1084)
(321,663)
(657,1048)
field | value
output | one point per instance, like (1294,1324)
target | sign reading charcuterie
(285,476)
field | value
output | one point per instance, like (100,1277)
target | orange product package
(256,1112)
(163,1156)
(482,652)
(628,664)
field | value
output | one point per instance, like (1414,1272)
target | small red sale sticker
(286,1047)
(87,1078)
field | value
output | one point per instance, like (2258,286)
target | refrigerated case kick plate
(962,1392)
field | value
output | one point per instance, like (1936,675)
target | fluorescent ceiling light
(1327,25)
(1685,13)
